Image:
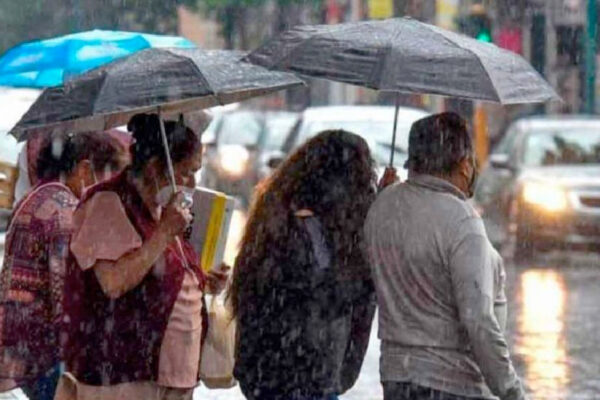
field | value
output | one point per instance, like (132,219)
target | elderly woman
(31,282)
(139,316)
(28,157)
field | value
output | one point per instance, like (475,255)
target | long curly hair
(332,175)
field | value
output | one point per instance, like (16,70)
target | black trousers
(410,391)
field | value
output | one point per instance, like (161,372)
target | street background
(554,299)
(552,329)
(552,34)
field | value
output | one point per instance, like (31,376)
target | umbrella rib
(285,57)
(330,30)
(388,54)
(498,96)
(104,74)
(197,69)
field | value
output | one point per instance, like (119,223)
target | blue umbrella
(50,62)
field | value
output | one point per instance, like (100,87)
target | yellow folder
(212,213)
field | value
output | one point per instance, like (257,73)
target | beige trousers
(69,389)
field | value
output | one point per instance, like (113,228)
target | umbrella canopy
(405,55)
(169,80)
(49,62)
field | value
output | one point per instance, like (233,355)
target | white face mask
(164,195)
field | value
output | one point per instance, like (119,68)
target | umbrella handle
(163,134)
(170,169)
(395,126)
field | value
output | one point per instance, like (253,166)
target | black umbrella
(166,80)
(405,55)
(154,80)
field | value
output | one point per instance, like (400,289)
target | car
(13,103)
(374,123)
(9,150)
(235,157)
(541,187)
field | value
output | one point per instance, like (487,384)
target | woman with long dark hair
(301,291)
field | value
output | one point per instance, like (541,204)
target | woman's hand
(175,217)
(389,177)
(217,279)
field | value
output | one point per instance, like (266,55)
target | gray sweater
(440,290)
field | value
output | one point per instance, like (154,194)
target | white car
(374,123)
(234,160)
(13,103)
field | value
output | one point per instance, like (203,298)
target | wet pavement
(553,329)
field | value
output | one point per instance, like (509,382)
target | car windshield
(378,135)
(555,147)
(278,128)
(241,128)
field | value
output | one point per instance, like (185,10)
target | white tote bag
(218,351)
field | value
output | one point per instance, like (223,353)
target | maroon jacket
(116,341)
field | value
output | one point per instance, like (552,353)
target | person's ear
(465,166)
(85,173)
(155,173)
(152,169)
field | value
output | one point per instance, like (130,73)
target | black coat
(303,331)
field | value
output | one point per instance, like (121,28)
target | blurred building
(200,29)
(551,34)
(548,33)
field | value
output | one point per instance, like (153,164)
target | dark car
(542,185)
(235,156)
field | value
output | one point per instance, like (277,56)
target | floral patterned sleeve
(58,252)
(32,281)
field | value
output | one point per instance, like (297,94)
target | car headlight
(234,160)
(547,196)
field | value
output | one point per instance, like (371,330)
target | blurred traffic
(240,147)
(542,185)
(538,161)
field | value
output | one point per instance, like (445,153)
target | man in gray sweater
(439,282)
